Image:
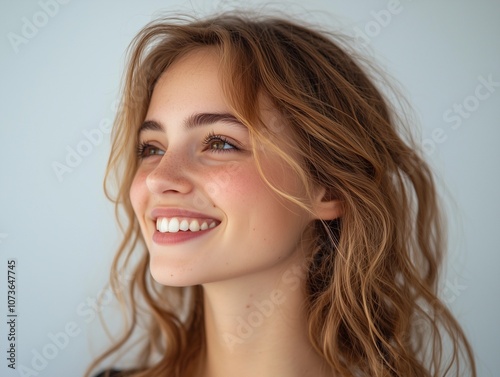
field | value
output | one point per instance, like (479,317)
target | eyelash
(211,137)
(141,149)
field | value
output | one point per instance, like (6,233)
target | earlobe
(327,207)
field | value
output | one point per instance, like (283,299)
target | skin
(251,264)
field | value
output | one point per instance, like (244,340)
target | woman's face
(204,211)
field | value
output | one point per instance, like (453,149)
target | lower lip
(179,237)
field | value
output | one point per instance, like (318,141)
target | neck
(257,326)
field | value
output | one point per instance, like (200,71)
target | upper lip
(178,212)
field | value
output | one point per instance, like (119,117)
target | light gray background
(65,78)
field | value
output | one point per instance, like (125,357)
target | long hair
(372,279)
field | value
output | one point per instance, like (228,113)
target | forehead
(190,84)
(200,60)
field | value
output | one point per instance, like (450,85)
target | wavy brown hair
(372,283)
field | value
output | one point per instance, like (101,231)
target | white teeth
(164,225)
(173,225)
(184,225)
(194,226)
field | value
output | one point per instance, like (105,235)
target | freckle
(248,306)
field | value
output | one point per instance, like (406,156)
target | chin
(173,277)
(170,279)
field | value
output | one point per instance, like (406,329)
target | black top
(109,373)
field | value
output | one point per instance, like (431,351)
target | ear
(326,207)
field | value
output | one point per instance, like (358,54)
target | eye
(145,150)
(218,143)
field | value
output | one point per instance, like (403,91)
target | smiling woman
(286,227)
(246,229)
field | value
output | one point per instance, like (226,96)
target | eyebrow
(194,120)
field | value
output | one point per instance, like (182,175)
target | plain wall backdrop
(60,69)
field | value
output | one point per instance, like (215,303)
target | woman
(287,226)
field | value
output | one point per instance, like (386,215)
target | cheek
(235,184)
(138,192)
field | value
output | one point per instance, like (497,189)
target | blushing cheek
(238,185)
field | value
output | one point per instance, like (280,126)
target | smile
(176,224)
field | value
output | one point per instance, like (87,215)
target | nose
(170,175)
